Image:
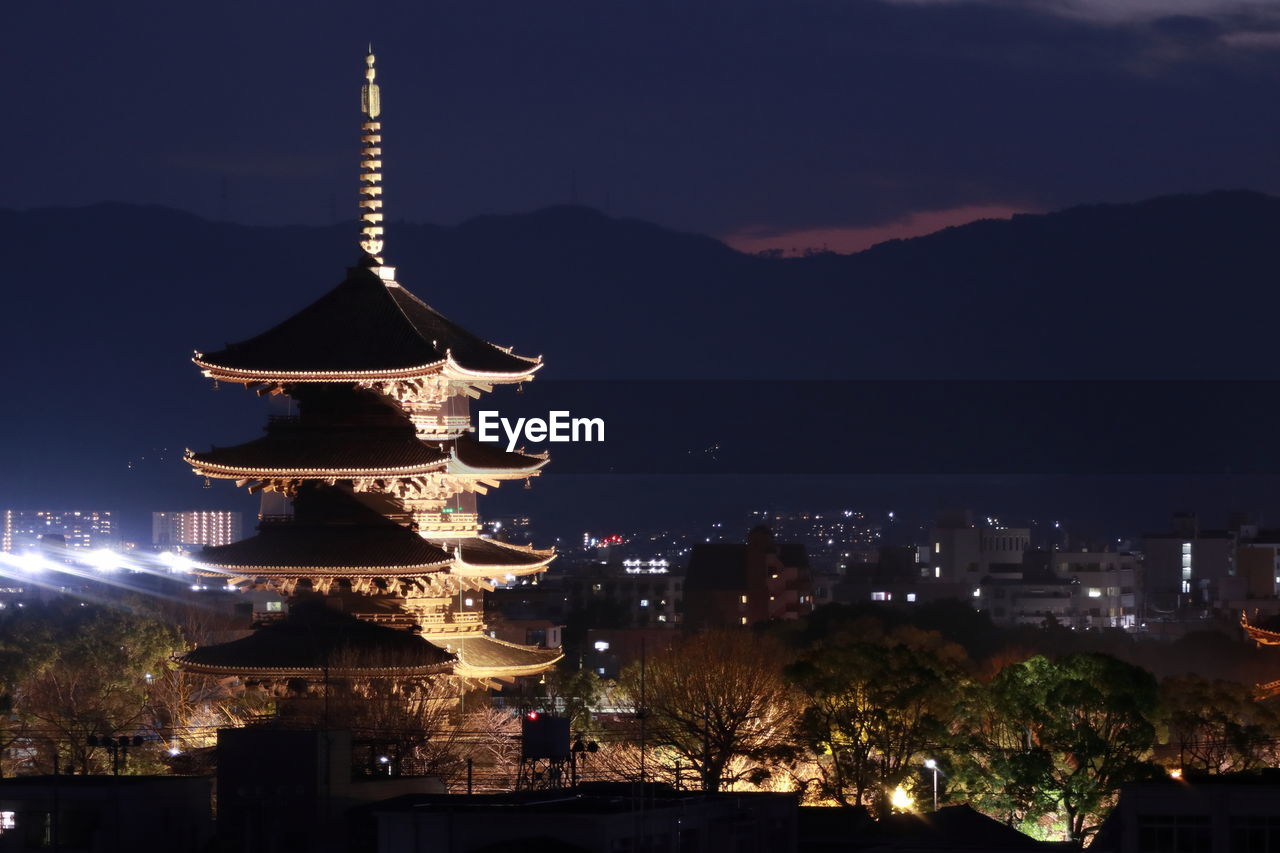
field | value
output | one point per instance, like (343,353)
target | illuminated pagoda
(369,490)
(1262,637)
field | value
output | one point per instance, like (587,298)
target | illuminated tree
(74,671)
(877,703)
(1077,728)
(717,703)
(1217,726)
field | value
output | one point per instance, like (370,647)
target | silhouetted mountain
(104,305)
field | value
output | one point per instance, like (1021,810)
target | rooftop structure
(372,484)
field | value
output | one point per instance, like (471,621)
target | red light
(533,715)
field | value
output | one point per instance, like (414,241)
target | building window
(1186,587)
(879,596)
(1094,592)
(744,599)
(602,645)
(1174,834)
(662,617)
(275,606)
(644,602)
(937,571)
(911,596)
(8,820)
(744,620)
(937,547)
(1255,834)
(977,593)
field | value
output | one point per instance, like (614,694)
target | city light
(901,800)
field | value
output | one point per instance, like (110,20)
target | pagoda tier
(317,643)
(387,459)
(330,532)
(368,328)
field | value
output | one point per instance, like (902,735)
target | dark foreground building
(105,813)
(1230,813)
(593,818)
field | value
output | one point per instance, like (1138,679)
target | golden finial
(371,164)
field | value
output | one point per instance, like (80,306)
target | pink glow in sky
(849,240)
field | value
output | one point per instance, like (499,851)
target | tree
(74,670)
(571,692)
(717,703)
(1079,728)
(1217,726)
(877,702)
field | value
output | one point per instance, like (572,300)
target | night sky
(769,122)
(765,123)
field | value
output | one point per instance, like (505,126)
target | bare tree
(717,704)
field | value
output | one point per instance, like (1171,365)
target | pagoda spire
(371,235)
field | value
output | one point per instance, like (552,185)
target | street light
(930,764)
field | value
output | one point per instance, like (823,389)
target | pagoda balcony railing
(275,518)
(433,425)
(399,620)
(274,420)
(448,522)
(449,623)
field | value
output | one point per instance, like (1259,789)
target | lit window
(644,602)
(1094,592)
(977,593)
(937,547)
(468,601)
(911,596)
(1186,587)
(879,596)
(744,599)
(8,820)
(744,620)
(600,670)
(662,617)
(275,606)
(937,571)
(602,645)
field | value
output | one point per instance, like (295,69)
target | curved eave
(447,367)
(461,469)
(466,570)
(250,375)
(230,472)
(1259,635)
(314,672)
(212,570)
(497,570)
(454,370)
(463,648)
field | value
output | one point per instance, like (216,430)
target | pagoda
(369,490)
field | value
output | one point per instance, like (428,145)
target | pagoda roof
(487,557)
(329,451)
(315,641)
(481,456)
(297,547)
(487,657)
(366,328)
(299,450)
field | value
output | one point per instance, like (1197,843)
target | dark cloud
(715,115)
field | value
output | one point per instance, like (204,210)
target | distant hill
(104,305)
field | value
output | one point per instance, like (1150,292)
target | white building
(195,527)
